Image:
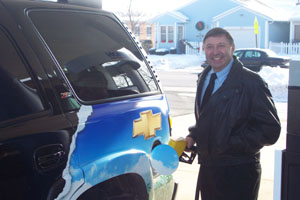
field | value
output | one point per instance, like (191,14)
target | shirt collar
(224,72)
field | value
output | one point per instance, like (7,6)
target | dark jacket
(237,121)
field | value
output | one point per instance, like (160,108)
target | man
(233,123)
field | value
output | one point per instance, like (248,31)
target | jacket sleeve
(263,125)
(192,132)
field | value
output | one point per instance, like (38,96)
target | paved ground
(186,175)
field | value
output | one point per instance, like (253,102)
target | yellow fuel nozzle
(178,144)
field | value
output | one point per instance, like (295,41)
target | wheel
(124,187)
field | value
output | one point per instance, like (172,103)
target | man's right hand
(189,142)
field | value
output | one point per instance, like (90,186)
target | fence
(193,48)
(285,48)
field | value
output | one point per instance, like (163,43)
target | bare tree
(132,16)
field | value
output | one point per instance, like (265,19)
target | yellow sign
(147,124)
(255,26)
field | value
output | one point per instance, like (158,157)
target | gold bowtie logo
(147,124)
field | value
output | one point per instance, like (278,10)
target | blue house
(189,24)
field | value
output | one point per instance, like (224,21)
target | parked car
(255,58)
(204,64)
(162,51)
(82,114)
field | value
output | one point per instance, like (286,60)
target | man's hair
(218,32)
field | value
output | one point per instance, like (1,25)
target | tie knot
(213,77)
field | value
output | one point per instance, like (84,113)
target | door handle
(49,157)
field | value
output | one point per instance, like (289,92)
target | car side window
(248,54)
(238,54)
(19,96)
(99,59)
(257,54)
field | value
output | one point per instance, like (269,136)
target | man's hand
(189,142)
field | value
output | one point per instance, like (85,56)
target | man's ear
(233,48)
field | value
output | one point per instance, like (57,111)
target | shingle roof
(176,14)
(264,9)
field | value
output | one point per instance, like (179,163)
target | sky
(159,6)
(148,6)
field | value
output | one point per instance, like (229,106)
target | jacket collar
(232,81)
(234,73)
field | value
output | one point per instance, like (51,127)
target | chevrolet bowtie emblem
(147,124)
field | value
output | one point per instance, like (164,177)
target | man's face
(218,52)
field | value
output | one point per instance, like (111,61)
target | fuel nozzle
(185,155)
(188,155)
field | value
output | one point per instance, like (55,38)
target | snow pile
(277,79)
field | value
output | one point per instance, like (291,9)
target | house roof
(280,10)
(265,15)
(175,14)
(263,9)
(296,15)
(283,10)
(179,15)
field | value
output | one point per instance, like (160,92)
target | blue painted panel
(105,142)
(111,124)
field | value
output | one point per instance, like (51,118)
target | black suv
(82,115)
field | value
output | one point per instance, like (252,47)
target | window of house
(103,63)
(163,34)
(167,34)
(149,32)
(137,30)
(18,92)
(170,34)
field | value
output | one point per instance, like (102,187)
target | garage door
(244,37)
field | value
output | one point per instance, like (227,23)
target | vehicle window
(19,96)
(256,54)
(95,53)
(238,54)
(248,54)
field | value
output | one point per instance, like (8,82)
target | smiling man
(235,118)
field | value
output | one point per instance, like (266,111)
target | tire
(124,187)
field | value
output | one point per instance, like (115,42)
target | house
(188,25)
(142,30)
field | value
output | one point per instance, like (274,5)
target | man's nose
(215,50)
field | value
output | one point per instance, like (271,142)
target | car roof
(27,4)
(245,49)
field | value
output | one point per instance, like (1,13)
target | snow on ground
(277,78)
(176,61)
